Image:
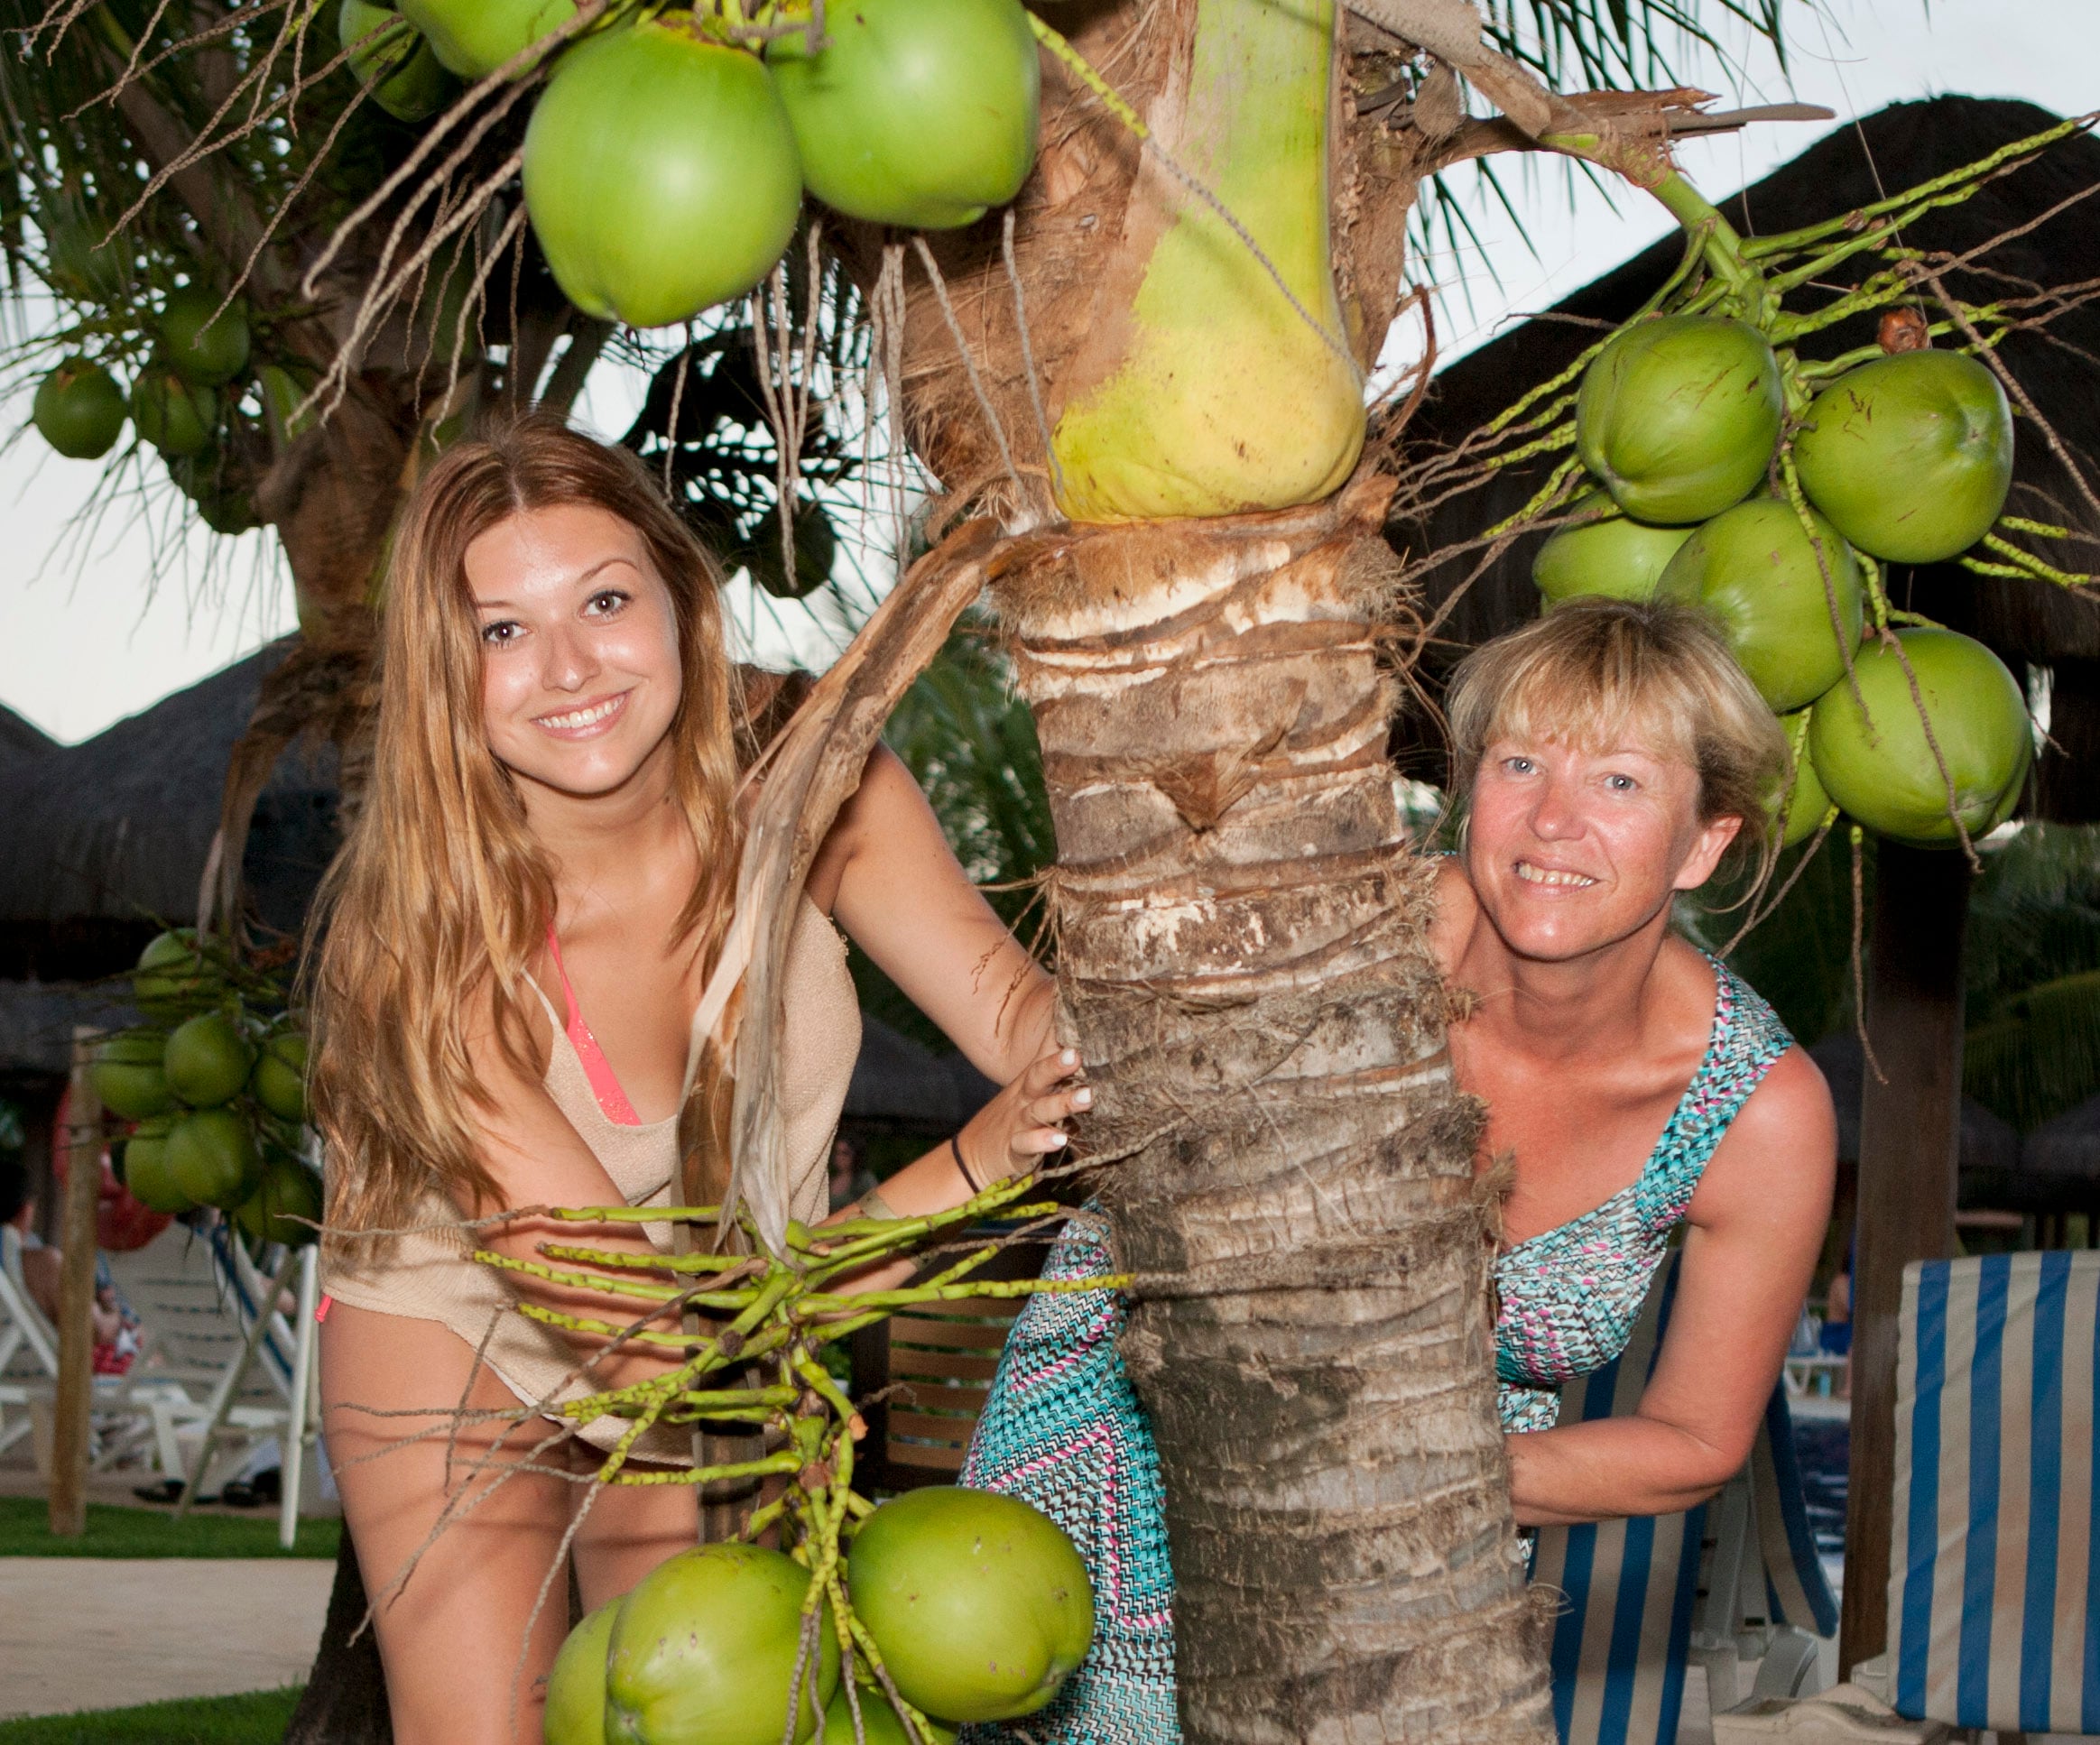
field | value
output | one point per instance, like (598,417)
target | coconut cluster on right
(1920,733)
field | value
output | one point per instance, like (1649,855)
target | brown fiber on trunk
(1241,948)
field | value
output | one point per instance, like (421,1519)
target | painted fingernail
(1070,1058)
(1057,1140)
(1082,1098)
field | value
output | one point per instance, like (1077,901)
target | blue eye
(1622,784)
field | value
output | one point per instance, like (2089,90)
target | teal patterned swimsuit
(1063,1429)
(1569,1297)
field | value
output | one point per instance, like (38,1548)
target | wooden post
(1910,1147)
(75,1391)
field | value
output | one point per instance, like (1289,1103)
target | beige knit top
(427,1277)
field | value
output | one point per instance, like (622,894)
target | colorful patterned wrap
(1569,1297)
(1063,1430)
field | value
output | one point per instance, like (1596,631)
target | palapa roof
(2066,1148)
(1855,165)
(1989,1144)
(117,829)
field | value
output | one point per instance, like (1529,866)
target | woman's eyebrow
(576,580)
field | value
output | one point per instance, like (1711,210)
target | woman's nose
(570,662)
(1556,815)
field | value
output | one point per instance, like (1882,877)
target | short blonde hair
(1595,673)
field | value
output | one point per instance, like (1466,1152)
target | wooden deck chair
(1730,1580)
(921,1379)
(1994,1580)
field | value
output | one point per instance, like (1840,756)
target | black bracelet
(963,1169)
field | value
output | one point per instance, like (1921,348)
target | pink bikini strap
(604,1084)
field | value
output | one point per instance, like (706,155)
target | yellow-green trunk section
(1224,398)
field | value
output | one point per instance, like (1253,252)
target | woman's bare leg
(629,1530)
(450,1636)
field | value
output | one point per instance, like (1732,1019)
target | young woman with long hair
(517,936)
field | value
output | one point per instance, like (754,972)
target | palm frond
(2041,1055)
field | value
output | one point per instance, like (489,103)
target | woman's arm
(886,875)
(1757,1224)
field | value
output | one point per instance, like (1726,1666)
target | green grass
(257,1718)
(114,1531)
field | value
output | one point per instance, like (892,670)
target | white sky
(84,642)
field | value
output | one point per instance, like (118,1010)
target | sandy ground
(103,1633)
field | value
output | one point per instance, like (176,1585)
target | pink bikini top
(596,1068)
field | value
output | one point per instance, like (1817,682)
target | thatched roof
(1989,1145)
(2067,1148)
(1896,147)
(22,740)
(116,829)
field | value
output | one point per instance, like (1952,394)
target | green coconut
(212,1157)
(173,415)
(660,173)
(1617,557)
(1879,766)
(1677,417)
(1802,805)
(1911,457)
(915,112)
(128,1074)
(473,37)
(146,1175)
(880,1725)
(704,1650)
(79,410)
(279,1080)
(1758,574)
(285,1206)
(207,1060)
(576,1689)
(400,68)
(979,1604)
(176,975)
(204,344)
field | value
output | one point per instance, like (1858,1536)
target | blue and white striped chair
(1994,1578)
(1736,1577)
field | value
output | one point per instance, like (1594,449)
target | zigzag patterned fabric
(1063,1430)
(1569,1296)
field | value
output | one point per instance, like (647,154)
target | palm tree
(1155,376)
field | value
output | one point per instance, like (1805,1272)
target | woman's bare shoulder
(1456,910)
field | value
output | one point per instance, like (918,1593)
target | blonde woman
(1611,757)
(1608,758)
(517,936)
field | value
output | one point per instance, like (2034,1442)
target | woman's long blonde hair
(441,897)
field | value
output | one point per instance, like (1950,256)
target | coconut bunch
(1719,465)
(196,397)
(215,1086)
(666,158)
(892,1623)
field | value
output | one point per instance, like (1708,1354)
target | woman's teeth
(576,718)
(1543,875)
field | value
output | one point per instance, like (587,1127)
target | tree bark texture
(345,1699)
(1241,929)
(1909,1150)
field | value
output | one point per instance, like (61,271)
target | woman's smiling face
(1571,850)
(581,674)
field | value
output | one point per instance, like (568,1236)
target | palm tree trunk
(1241,929)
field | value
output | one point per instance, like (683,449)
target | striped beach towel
(1993,1612)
